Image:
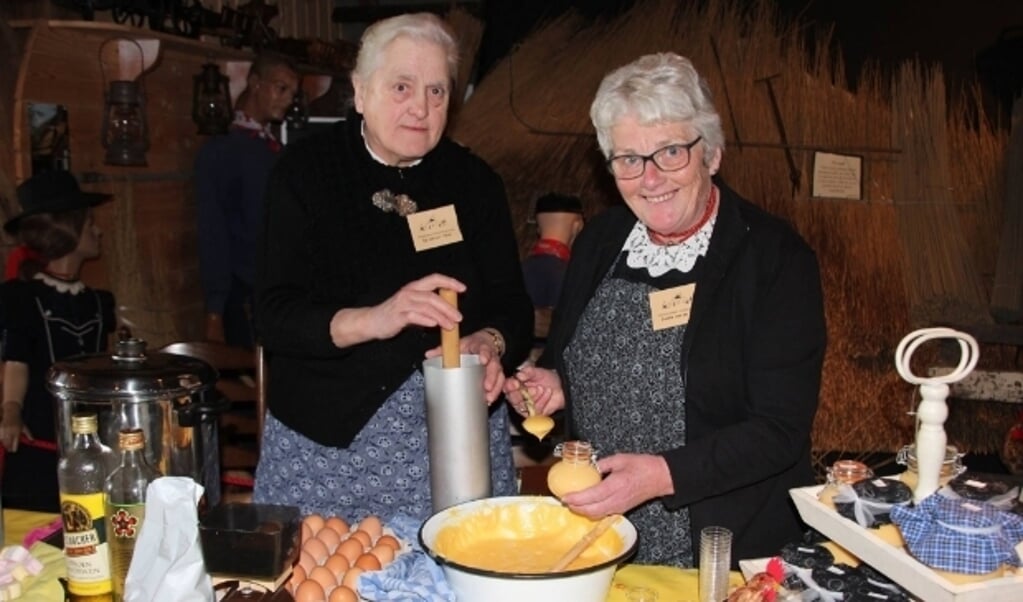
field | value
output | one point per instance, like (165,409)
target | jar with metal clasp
(951,465)
(577,469)
(843,472)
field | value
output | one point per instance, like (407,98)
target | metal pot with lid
(170,397)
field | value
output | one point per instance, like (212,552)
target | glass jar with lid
(951,465)
(843,472)
(577,469)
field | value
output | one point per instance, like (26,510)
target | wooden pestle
(451,356)
(605,523)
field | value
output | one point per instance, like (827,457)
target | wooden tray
(895,562)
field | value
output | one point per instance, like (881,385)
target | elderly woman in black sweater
(688,342)
(347,301)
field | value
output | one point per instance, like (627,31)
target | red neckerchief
(549,246)
(256,130)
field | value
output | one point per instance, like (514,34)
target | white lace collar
(660,259)
(64,286)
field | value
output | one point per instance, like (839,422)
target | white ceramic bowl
(471,584)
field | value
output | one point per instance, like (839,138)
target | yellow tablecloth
(44,587)
(671,584)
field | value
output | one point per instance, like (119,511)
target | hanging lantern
(211,101)
(125,132)
(298,113)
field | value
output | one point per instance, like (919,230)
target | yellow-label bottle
(576,471)
(80,474)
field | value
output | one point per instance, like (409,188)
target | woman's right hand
(543,385)
(11,426)
(416,304)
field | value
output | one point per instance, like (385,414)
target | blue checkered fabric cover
(412,577)
(961,536)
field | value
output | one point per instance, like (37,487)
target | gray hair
(425,27)
(657,88)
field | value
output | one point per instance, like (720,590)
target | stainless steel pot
(170,397)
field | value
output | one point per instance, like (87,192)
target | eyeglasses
(667,158)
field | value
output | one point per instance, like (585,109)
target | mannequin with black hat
(559,218)
(49,314)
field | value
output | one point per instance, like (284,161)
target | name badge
(671,307)
(434,228)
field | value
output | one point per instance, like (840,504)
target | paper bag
(167,565)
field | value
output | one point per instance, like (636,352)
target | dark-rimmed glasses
(672,157)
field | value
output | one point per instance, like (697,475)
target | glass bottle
(951,465)
(576,471)
(843,472)
(125,491)
(80,474)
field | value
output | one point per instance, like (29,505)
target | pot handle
(211,402)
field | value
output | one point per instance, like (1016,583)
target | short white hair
(657,88)
(426,27)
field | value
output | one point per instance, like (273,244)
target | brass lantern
(125,132)
(211,101)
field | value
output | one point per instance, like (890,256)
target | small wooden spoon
(535,424)
(605,523)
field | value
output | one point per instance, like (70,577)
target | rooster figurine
(1012,448)
(762,587)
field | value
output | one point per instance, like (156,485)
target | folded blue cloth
(412,577)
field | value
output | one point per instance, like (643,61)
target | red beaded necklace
(665,240)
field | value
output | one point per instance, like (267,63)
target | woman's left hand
(629,480)
(481,343)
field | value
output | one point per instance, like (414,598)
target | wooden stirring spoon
(605,523)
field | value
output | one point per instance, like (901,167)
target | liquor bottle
(125,494)
(80,474)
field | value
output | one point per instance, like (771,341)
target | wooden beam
(369,14)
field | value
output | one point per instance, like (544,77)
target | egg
(372,525)
(306,561)
(343,594)
(351,579)
(338,524)
(391,541)
(368,562)
(325,577)
(310,591)
(315,522)
(362,536)
(298,575)
(317,549)
(351,549)
(307,532)
(337,564)
(384,553)
(330,538)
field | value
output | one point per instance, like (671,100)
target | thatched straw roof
(529,118)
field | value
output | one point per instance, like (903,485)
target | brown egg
(384,553)
(298,575)
(391,541)
(343,594)
(307,532)
(351,579)
(310,591)
(329,537)
(337,564)
(351,549)
(362,536)
(315,522)
(306,561)
(372,525)
(325,577)
(368,562)
(338,524)
(317,549)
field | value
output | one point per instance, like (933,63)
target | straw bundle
(529,119)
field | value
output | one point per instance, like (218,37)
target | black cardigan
(325,247)
(752,356)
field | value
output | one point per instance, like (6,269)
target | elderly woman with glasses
(688,341)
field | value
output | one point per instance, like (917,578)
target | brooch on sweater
(387,201)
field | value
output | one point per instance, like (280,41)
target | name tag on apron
(434,228)
(671,307)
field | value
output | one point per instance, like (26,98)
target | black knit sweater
(325,247)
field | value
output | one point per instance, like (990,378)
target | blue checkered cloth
(961,536)
(412,577)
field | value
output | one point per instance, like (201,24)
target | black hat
(558,203)
(51,192)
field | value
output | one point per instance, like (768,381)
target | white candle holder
(933,410)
